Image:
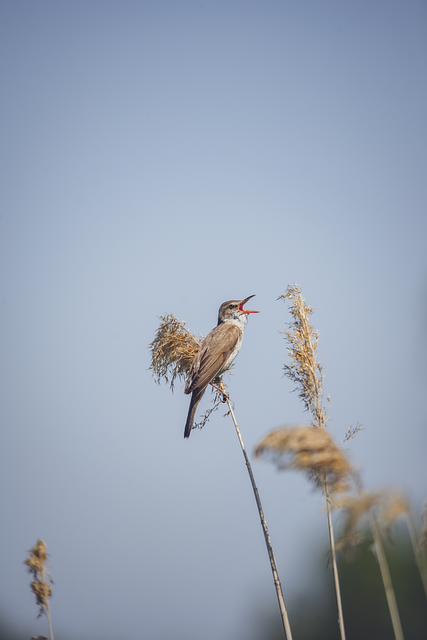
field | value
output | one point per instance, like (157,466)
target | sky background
(163,157)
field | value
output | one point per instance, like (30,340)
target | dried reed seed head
(356,506)
(394,505)
(348,542)
(307,449)
(173,350)
(387,507)
(38,568)
(37,557)
(42,591)
(304,369)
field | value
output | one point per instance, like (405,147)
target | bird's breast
(233,353)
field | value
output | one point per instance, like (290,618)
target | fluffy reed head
(310,450)
(38,568)
(172,353)
(384,507)
(304,369)
(173,350)
(354,508)
(394,505)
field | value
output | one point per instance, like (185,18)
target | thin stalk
(385,573)
(46,603)
(320,418)
(334,562)
(270,551)
(49,621)
(44,579)
(419,556)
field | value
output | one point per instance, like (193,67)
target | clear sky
(165,157)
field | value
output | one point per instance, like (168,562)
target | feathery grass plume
(307,374)
(172,353)
(173,350)
(385,506)
(309,450)
(394,505)
(381,510)
(354,508)
(38,568)
(352,432)
(397,506)
(304,370)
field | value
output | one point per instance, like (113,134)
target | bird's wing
(213,353)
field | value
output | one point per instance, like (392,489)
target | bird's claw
(221,389)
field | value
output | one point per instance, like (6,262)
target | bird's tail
(195,399)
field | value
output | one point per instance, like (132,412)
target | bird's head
(233,310)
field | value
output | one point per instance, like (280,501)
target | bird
(216,353)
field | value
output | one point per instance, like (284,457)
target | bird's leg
(221,389)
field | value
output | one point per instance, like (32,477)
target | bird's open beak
(244,302)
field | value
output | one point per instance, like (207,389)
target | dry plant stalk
(306,372)
(422,544)
(381,509)
(278,586)
(419,543)
(172,352)
(38,568)
(385,574)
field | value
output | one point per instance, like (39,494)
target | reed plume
(40,586)
(307,375)
(172,352)
(312,451)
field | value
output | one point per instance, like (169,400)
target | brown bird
(216,353)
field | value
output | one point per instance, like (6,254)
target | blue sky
(164,157)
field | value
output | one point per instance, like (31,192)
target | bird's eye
(231,306)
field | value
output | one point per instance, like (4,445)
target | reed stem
(334,562)
(418,553)
(385,573)
(270,551)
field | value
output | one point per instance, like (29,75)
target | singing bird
(216,353)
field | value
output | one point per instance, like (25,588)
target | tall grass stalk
(382,509)
(172,352)
(334,561)
(385,574)
(38,568)
(306,372)
(419,553)
(278,586)
(394,506)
